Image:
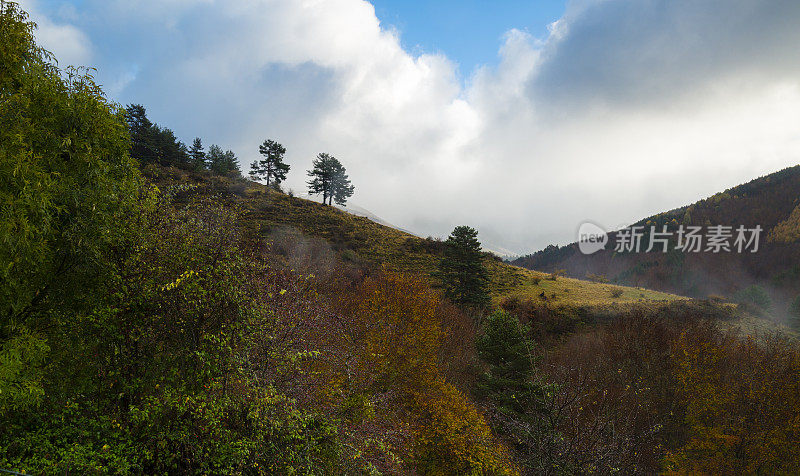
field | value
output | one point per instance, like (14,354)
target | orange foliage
(396,329)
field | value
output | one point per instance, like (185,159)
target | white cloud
(626,109)
(69,44)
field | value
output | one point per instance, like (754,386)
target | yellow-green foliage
(741,399)
(787,231)
(575,291)
(396,334)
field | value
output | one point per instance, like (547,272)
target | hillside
(771,201)
(284,220)
(162,315)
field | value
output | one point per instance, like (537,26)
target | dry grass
(540,286)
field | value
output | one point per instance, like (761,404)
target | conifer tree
(341,188)
(197,155)
(255,172)
(222,163)
(461,271)
(322,176)
(141,132)
(509,380)
(515,391)
(271,168)
(151,143)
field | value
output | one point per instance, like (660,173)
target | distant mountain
(772,202)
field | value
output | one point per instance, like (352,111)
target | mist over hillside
(770,202)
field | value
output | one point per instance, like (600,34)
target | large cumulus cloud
(627,108)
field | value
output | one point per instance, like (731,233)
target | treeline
(153,144)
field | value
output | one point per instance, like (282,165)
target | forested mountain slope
(771,202)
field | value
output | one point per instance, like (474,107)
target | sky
(522,119)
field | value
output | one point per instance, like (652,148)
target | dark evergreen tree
(516,393)
(461,271)
(222,163)
(341,188)
(171,152)
(142,134)
(509,380)
(322,176)
(255,172)
(197,155)
(153,144)
(271,167)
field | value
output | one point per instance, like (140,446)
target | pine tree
(509,382)
(271,167)
(515,391)
(141,132)
(221,163)
(461,271)
(341,188)
(198,157)
(329,178)
(153,144)
(322,176)
(255,172)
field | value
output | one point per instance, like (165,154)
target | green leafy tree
(461,271)
(197,155)
(271,168)
(66,184)
(222,163)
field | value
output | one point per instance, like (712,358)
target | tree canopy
(222,163)
(329,178)
(66,184)
(197,155)
(461,271)
(271,168)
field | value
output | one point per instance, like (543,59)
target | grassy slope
(564,290)
(377,244)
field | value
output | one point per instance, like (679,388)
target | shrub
(754,295)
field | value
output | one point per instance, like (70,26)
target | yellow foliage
(742,399)
(453,437)
(397,327)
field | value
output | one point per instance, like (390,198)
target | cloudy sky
(521,118)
